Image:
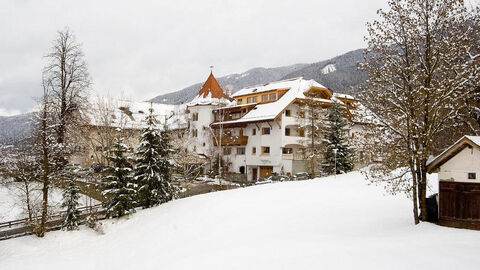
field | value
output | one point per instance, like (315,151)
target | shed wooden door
(266,171)
(459,202)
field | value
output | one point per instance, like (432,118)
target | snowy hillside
(15,127)
(325,223)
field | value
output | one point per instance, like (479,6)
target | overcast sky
(146,48)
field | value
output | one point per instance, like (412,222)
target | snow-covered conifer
(336,137)
(119,188)
(70,202)
(152,168)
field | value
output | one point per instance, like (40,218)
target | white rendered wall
(205,118)
(458,167)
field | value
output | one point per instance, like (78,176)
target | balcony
(293,140)
(291,121)
(232,141)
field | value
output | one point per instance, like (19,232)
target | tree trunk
(46,172)
(423,193)
(414,194)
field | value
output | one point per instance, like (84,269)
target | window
(241,132)
(254,150)
(288,113)
(242,169)
(265,150)
(264,98)
(254,132)
(195,117)
(273,96)
(227,151)
(301,132)
(287,131)
(239,101)
(287,150)
(472,175)
(252,100)
(194,133)
(241,151)
(265,131)
(301,114)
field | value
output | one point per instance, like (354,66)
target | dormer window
(264,98)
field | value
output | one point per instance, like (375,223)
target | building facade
(260,130)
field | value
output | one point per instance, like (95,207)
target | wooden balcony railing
(232,140)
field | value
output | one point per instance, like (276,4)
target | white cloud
(8,112)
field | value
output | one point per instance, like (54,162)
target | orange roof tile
(211,86)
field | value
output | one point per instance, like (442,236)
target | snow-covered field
(12,206)
(315,224)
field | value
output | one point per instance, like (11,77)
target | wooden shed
(458,169)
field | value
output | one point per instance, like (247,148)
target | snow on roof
(284,84)
(345,96)
(268,111)
(363,115)
(208,100)
(210,94)
(473,139)
(131,114)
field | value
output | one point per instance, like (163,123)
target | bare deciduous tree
(423,63)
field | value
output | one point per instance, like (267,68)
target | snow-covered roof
(344,96)
(284,84)
(263,112)
(451,151)
(363,115)
(131,114)
(210,94)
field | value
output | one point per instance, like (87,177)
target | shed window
(472,175)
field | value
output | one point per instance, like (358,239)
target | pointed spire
(212,87)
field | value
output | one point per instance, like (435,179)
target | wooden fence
(459,204)
(20,227)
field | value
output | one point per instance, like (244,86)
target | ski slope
(325,223)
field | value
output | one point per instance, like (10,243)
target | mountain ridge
(340,73)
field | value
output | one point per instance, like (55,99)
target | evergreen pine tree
(152,168)
(70,201)
(119,188)
(336,137)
